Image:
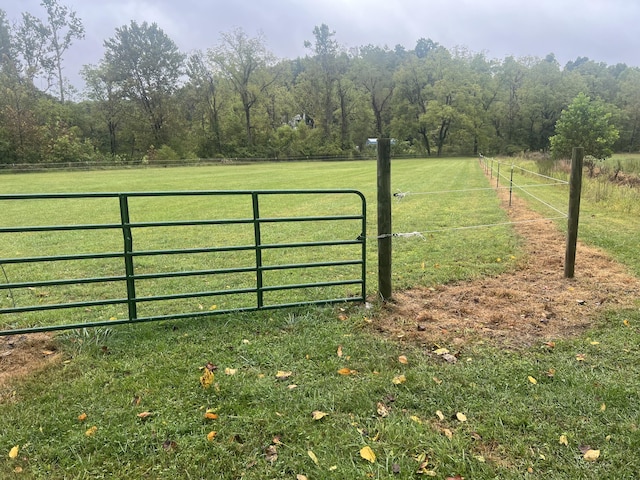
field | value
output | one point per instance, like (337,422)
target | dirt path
(535,303)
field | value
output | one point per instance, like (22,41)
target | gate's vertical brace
(128,256)
(258,246)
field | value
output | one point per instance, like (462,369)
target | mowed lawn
(312,392)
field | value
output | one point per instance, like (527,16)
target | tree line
(147,101)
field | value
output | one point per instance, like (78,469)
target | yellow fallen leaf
(382,409)
(82,417)
(92,431)
(595,343)
(206,380)
(230,371)
(346,371)
(313,457)
(440,415)
(532,380)
(398,379)
(282,375)
(292,386)
(367,454)
(591,455)
(213,307)
(211,416)
(625,323)
(13,453)
(211,435)
(333,468)
(461,417)
(415,419)
(18,469)
(339,352)
(603,407)
(317,414)
(447,433)
(402,359)
(437,380)
(563,440)
(301,477)
(441,351)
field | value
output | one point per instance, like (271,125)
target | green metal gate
(348,231)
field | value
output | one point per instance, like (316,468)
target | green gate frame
(129,254)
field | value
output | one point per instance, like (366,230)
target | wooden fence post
(575,187)
(384,218)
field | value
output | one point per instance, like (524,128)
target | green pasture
(309,392)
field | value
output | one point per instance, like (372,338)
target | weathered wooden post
(575,187)
(384,218)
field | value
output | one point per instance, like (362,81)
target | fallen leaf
(591,455)
(92,431)
(213,307)
(282,375)
(342,317)
(206,380)
(581,357)
(211,435)
(437,380)
(292,386)
(399,379)
(461,417)
(230,371)
(440,415)
(594,343)
(402,359)
(367,454)
(447,357)
(301,477)
(382,409)
(144,415)
(625,323)
(136,401)
(169,445)
(18,469)
(313,457)
(82,417)
(480,458)
(563,440)
(13,453)
(416,419)
(551,372)
(447,433)
(346,371)
(211,416)
(271,453)
(550,344)
(48,352)
(441,351)
(532,380)
(317,414)
(603,407)
(339,352)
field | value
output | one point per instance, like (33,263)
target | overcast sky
(603,30)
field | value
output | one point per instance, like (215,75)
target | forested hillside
(147,101)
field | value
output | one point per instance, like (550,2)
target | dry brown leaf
(402,359)
(82,417)
(169,445)
(346,371)
(92,431)
(144,415)
(317,414)
(211,435)
(447,433)
(211,416)
(382,409)
(339,352)
(271,453)
(206,380)
(367,454)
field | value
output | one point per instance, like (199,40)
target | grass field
(312,393)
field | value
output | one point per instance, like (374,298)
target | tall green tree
(147,66)
(585,123)
(244,61)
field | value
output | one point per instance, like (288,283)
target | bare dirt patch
(534,303)
(23,354)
